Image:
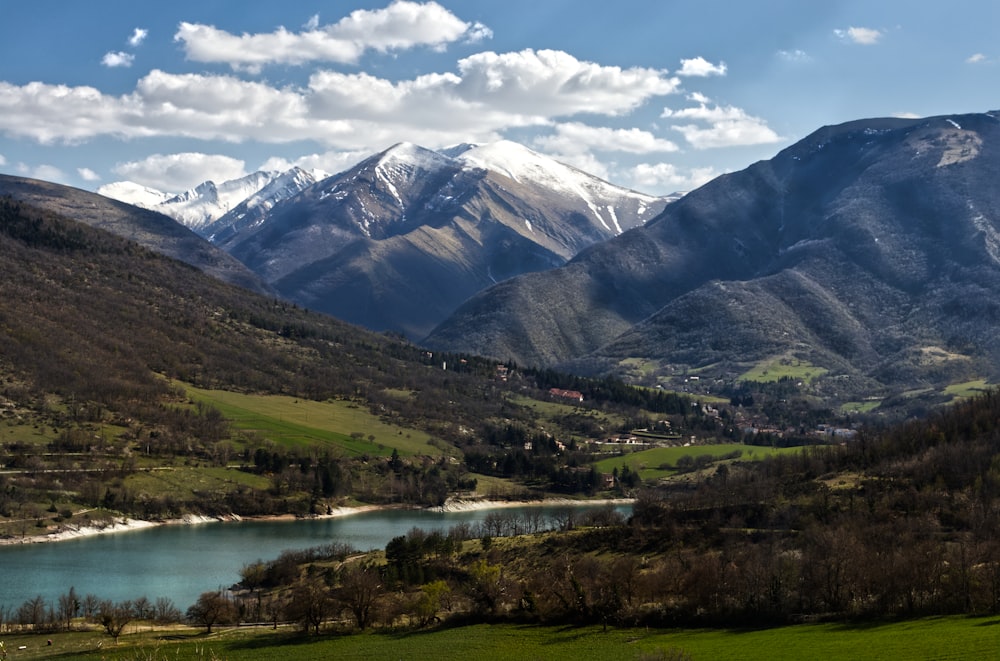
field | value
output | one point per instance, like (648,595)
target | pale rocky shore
(73,531)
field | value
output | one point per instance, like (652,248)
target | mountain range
(869,251)
(400,240)
(866,255)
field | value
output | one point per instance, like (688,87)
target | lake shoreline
(67,532)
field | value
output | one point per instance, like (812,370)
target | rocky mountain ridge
(400,240)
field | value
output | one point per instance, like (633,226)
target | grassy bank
(932,638)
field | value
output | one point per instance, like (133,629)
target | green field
(967,389)
(184,481)
(860,407)
(293,422)
(652,463)
(775,369)
(929,638)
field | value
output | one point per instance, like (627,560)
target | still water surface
(182,561)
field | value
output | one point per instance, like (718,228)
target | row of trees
(71,610)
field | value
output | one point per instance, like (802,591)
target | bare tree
(165,611)
(69,608)
(212,608)
(311,604)
(360,589)
(114,617)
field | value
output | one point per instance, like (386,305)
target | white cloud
(906,115)
(728,126)
(312,23)
(577,138)
(54,113)
(180,172)
(587,162)
(138,36)
(88,175)
(117,59)
(554,83)
(491,92)
(976,58)
(478,33)
(401,25)
(699,66)
(665,178)
(3,160)
(862,36)
(331,162)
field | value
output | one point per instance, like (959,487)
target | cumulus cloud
(727,126)
(699,66)
(577,138)
(3,160)
(665,178)
(138,36)
(400,26)
(490,92)
(554,83)
(88,175)
(862,36)
(180,172)
(117,59)
(976,58)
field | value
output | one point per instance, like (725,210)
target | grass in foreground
(929,638)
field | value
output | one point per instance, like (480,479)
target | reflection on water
(182,561)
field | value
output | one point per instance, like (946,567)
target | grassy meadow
(292,422)
(932,638)
(768,371)
(657,463)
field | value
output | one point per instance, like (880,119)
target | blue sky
(657,96)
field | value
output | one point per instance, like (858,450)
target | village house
(566,394)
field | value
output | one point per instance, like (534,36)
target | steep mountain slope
(399,241)
(871,249)
(254,208)
(147,228)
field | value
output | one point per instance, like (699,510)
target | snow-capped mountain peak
(524,165)
(199,207)
(134,194)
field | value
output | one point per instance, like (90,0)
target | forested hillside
(112,353)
